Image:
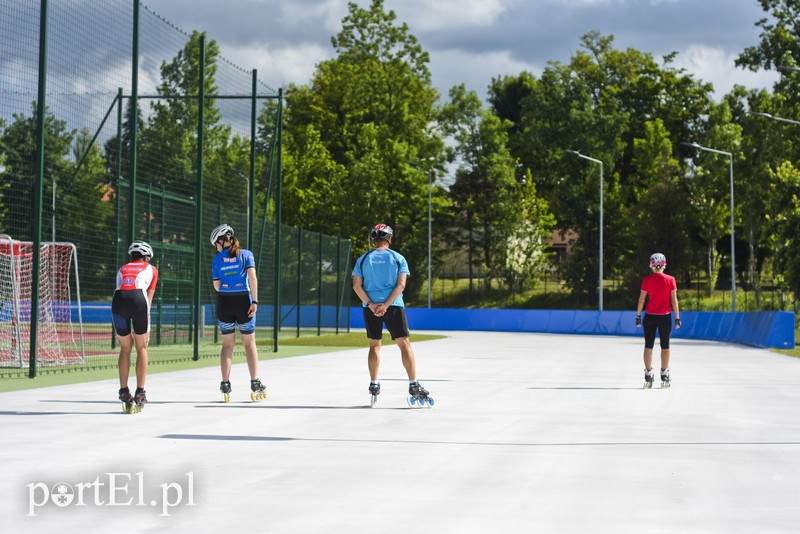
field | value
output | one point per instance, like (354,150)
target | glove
(677,323)
(638,321)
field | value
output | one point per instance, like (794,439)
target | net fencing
(60,341)
(100,190)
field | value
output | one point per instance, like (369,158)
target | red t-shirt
(659,286)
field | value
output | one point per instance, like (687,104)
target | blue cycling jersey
(232,272)
(379,268)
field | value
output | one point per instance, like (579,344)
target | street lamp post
(773,117)
(430,220)
(430,226)
(733,250)
(600,275)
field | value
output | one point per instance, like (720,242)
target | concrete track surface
(530,433)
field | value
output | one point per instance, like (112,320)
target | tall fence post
(299,273)
(278,217)
(338,281)
(198,208)
(319,290)
(41,110)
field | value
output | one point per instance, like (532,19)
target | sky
(473,41)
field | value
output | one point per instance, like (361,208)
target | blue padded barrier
(761,329)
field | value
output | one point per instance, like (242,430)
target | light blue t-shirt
(379,268)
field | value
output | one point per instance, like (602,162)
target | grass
(288,347)
(351,340)
(554,295)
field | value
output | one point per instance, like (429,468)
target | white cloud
(474,70)
(711,64)
(282,66)
(423,15)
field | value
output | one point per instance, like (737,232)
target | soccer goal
(59,340)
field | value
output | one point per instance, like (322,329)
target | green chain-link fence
(106,179)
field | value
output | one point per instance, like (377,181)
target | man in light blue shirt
(379,277)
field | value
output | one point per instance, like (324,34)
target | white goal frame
(16,353)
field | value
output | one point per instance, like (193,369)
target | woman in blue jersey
(379,278)
(234,277)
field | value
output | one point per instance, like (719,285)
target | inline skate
(225,389)
(374,391)
(418,396)
(126,398)
(258,391)
(649,377)
(665,378)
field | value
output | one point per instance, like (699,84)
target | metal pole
(600,282)
(278,218)
(198,208)
(430,198)
(299,273)
(319,289)
(733,252)
(134,124)
(41,110)
(251,186)
(600,269)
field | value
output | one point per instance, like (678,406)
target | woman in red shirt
(130,311)
(661,293)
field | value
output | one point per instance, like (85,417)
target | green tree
(350,134)
(662,218)
(18,145)
(168,143)
(599,103)
(497,214)
(710,189)
(784,217)
(780,39)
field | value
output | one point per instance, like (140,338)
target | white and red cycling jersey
(137,275)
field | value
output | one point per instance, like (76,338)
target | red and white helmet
(381,231)
(657,261)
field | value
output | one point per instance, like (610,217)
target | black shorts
(232,312)
(394,319)
(128,306)
(662,323)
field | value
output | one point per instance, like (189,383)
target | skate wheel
(125,408)
(430,402)
(412,401)
(373,400)
(226,397)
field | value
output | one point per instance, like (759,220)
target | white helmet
(220,231)
(657,261)
(142,247)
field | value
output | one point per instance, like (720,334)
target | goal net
(59,339)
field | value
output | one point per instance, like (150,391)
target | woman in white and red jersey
(661,293)
(136,283)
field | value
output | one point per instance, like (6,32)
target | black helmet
(381,231)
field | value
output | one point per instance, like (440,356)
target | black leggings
(662,323)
